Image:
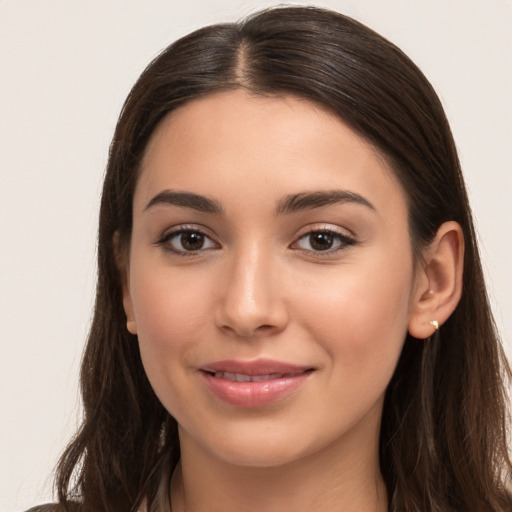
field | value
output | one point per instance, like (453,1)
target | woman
(290,312)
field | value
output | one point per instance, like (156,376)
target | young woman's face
(270,278)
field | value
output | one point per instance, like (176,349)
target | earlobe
(131,325)
(438,281)
(123,269)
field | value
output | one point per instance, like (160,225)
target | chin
(260,445)
(261,455)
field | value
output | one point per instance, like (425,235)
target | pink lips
(253,383)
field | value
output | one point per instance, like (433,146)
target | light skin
(266,228)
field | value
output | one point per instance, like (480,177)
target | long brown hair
(443,443)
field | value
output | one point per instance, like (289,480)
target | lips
(240,377)
(253,383)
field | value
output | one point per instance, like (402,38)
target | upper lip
(255,367)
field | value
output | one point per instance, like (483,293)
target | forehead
(243,142)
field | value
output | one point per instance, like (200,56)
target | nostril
(248,332)
(266,327)
(246,318)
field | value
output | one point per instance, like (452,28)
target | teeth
(240,377)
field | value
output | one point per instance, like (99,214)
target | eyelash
(343,240)
(165,240)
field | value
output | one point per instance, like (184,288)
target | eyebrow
(308,200)
(186,199)
(289,204)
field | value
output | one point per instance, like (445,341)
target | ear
(438,286)
(123,267)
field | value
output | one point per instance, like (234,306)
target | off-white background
(65,69)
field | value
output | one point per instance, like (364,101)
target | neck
(344,476)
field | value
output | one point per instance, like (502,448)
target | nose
(251,301)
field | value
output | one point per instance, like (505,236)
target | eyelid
(170,233)
(323,226)
(347,239)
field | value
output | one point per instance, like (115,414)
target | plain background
(65,69)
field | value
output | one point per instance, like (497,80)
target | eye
(323,240)
(185,241)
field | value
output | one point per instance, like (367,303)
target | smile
(240,377)
(253,384)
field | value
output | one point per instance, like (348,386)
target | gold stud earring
(434,324)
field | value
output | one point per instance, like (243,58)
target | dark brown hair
(443,443)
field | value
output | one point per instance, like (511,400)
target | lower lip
(254,394)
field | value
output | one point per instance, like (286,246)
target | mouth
(254,383)
(241,377)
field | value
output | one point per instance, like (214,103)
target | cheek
(360,318)
(168,305)
(170,313)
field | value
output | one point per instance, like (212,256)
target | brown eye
(321,241)
(185,241)
(192,241)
